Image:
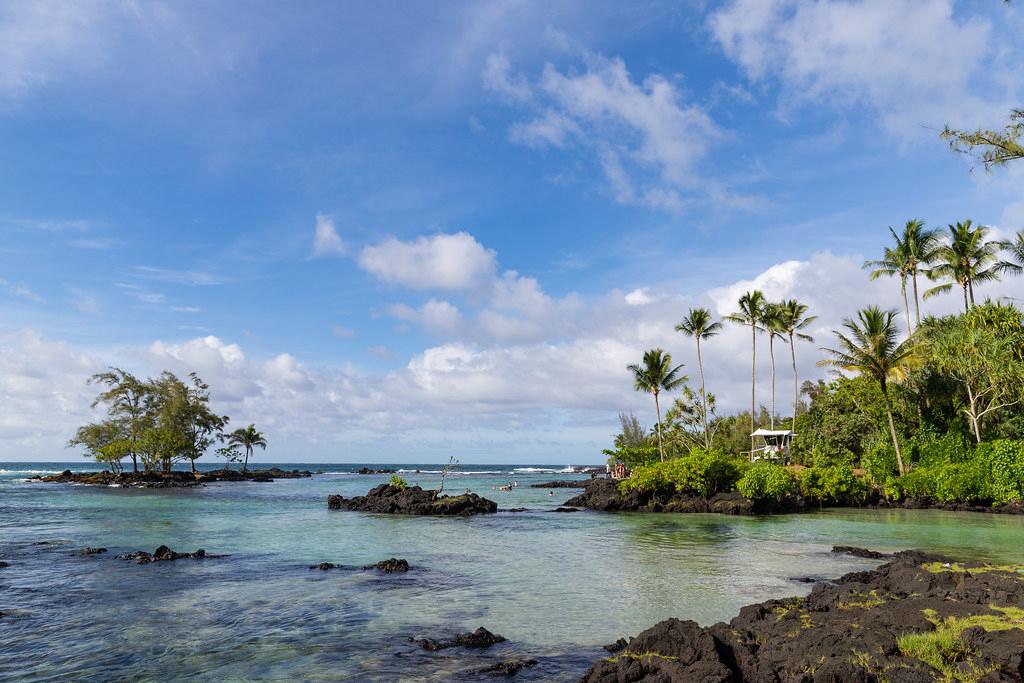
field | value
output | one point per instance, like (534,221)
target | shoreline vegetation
(924,413)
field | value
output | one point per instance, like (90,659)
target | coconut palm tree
(922,247)
(869,347)
(655,375)
(699,324)
(749,313)
(772,323)
(965,260)
(247,438)
(1016,249)
(892,264)
(795,318)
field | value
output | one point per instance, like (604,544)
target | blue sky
(417,230)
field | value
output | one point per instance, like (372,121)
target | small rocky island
(167,480)
(917,619)
(413,500)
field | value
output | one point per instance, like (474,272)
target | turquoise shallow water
(557,585)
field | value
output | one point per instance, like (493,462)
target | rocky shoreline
(916,619)
(413,500)
(605,495)
(164,480)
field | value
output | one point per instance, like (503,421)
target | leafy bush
(700,472)
(950,448)
(880,461)
(917,483)
(766,482)
(835,485)
(1006,462)
(964,482)
(398,482)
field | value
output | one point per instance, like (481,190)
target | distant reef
(165,480)
(917,619)
(412,500)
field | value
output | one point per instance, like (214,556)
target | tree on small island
(654,376)
(248,439)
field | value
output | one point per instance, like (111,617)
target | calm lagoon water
(558,586)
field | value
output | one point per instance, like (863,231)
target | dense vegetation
(925,408)
(159,421)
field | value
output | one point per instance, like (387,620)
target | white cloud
(178,277)
(646,138)
(342,332)
(443,261)
(84,301)
(638,297)
(186,309)
(21,290)
(914,63)
(436,317)
(497,77)
(326,241)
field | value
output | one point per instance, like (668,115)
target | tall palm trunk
(917,304)
(771,352)
(248,450)
(970,287)
(657,408)
(892,429)
(906,306)
(796,392)
(753,383)
(967,306)
(703,396)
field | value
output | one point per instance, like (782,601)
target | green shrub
(950,448)
(917,483)
(880,461)
(700,472)
(822,456)
(964,482)
(835,485)
(1006,463)
(766,482)
(398,482)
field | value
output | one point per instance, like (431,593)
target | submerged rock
(390,566)
(412,500)
(324,566)
(565,509)
(479,639)
(161,554)
(92,551)
(859,552)
(4,564)
(966,617)
(508,668)
(368,470)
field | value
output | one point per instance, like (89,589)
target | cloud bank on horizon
(453,239)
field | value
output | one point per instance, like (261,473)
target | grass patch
(957,568)
(944,648)
(639,656)
(866,601)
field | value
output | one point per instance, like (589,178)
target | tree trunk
(972,414)
(967,308)
(245,465)
(703,396)
(917,304)
(135,464)
(657,408)
(796,392)
(193,465)
(906,306)
(892,430)
(970,288)
(771,352)
(753,383)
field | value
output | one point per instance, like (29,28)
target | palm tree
(1016,249)
(795,318)
(771,322)
(967,259)
(894,263)
(871,349)
(699,324)
(655,375)
(750,305)
(248,438)
(922,247)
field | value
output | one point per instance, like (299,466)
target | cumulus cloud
(326,241)
(911,62)
(436,317)
(443,261)
(646,137)
(20,290)
(498,77)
